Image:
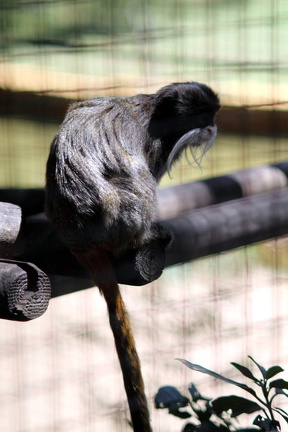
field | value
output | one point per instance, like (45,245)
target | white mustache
(198,141)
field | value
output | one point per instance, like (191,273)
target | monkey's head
(184,118)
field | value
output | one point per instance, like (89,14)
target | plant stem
(268,403)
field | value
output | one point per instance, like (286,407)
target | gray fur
(198,141)
(110,153)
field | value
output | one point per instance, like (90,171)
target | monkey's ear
(166,105)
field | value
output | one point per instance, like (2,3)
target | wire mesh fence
(60,372)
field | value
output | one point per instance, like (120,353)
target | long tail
(99,264)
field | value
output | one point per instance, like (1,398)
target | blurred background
(60,372)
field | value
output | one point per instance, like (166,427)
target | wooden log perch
(10,224)
(178,199)
(148,263)
(25,291)
(227,226)
(197,233)
(43,247)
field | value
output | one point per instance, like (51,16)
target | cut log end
(141,266)
(24,289)
(150,261)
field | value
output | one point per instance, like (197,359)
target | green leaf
(245,371)
(261,368)
(201,369)
(248,430)
(282,413)
(267,424)
(180,414)
(281,392)
(205,427)
(189,427)
(169,397)
(272,371)
(196,395)
(237,404)
(279,383)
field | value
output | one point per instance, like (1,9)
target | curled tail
(99,264)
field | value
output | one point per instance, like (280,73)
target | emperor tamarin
(102,173)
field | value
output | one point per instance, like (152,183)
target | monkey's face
(184,118)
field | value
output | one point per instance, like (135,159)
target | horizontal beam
(230,119)
(227,226)
(181,198)
(175,200)
(196,234)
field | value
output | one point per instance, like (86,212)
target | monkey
(102,173)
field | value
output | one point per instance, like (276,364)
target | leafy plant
(220,414)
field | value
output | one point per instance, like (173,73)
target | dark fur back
(103,183)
